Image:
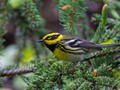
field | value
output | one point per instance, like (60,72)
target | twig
(102,53)
(16,71)
(116,57)
(107,85)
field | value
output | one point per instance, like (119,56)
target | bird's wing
(81,43)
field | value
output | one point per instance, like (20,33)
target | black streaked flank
(66,50)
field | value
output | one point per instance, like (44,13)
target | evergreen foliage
(30,12)
(71,12)
(97,74)
(101,71)
(2,26)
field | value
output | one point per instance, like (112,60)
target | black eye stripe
(51,37)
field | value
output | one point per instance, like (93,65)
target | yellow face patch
(52,38)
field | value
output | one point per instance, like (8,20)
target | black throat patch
(51,47)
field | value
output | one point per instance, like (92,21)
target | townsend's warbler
(69,48)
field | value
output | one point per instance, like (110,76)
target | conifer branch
(101,53)
(30,12)
(103,84)
(16,71)
(116,57)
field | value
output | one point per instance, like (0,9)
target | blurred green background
(23,22)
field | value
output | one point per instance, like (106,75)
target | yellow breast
(60,54)
(67,56)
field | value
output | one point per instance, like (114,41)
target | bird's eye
(48,38)
(52,37)
(55,37)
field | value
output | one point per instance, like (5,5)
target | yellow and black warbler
(69,48)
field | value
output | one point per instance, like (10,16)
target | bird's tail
(109,45)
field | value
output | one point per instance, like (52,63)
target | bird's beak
(41,40)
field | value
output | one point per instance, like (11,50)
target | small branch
(107,85)
(16,71)
(102,53)
(116,57)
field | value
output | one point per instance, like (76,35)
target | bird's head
(51,38)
